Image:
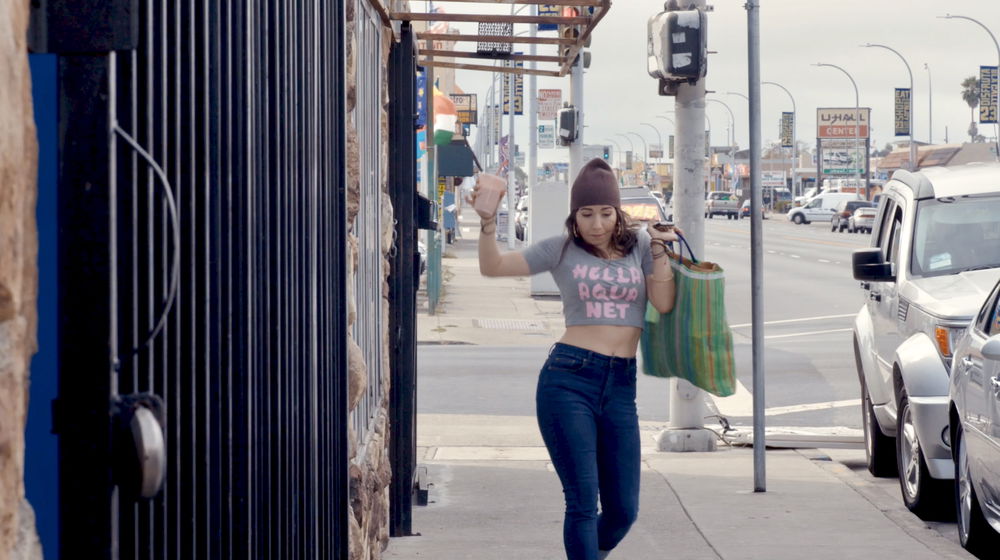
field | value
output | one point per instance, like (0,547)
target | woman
(585,400)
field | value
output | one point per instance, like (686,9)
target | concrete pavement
(495,495)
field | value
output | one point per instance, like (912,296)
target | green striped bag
(693,341)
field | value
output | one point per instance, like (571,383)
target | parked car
(843,212)
(974,411)
(862,219)
(722,203)
(820,208)
(745,210)
(935,253)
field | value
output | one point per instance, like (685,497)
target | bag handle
(683,244)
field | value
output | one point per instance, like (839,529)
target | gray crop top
(596,291)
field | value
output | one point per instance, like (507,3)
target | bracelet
(660,254)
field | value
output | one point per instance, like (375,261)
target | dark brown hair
(623,240)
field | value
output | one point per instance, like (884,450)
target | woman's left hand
(666,236)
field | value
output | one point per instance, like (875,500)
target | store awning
(495,39)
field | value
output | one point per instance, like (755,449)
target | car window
(642,209)
(892,255)
(954,234)
(881,234)
(989,314)
(817,203)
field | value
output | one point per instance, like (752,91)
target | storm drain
(511,324)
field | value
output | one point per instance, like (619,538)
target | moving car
(934,255)
(521,218)
(843,212)
(974,410)
(820,208)
(722,203)
(745,210)
(862,220)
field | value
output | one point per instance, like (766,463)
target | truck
(724,203)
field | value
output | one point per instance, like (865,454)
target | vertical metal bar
(756,248)
(86,312)
(339,244)
(402,287)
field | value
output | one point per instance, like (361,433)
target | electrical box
(676,46)
(569,123)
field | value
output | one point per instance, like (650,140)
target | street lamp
(795,148)
(997,45)
(913,144)
(857,123)
(659,138)
(645,154)
(673,124)
(732,143)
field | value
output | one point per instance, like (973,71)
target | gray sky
(619,94)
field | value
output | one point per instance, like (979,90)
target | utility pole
(930,106)
(511,162)
(531,106)
(576,100)
(687,402)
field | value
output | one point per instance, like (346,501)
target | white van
(820,208)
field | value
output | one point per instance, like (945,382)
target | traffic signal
(569,122)
(676,46)
(568,31)
(607,153)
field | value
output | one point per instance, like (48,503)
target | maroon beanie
(595,185)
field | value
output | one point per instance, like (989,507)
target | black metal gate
(202,260)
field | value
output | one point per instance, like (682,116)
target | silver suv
(934,255)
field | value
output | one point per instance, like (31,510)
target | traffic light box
(676,47)
(572,32)
(569,122)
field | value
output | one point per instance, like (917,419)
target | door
(883,296)
(989,454)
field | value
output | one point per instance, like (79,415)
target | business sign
(546,136)
(903,112)
(421,99)
(496,125)
(548,10)
(787,126)
(988,94)
(549,103)
(843,123)
(466,105)
(772,179)
(655,151)
(670,147)
(518,90)
(842,157)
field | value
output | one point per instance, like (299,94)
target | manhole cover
(511,324)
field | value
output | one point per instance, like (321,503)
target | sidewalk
(495,495)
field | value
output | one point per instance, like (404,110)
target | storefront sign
(843,123)
(988,94)
(902,111)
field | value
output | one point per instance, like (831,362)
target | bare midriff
(609,340)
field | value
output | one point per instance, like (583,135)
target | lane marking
(740,404)
(774,336)
(823,261)
(801,320)
(793,238)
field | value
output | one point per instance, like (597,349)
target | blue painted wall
(41,460)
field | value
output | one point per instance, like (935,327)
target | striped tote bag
(693,341)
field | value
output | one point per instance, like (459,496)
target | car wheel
(880,449)
(833,226)
(974,532)
(850,228)
(798,219)
(923,495)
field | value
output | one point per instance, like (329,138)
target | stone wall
(18,277)
(369,471)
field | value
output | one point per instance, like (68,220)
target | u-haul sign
(842,123)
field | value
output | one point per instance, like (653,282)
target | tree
(970,94)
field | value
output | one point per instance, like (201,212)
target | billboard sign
(787,125)
(655,151)
(549,103)
(842,123)
(843,157)
(466,105)
(546,136)
(518,90)
(988,94)
(772,179)
(903,112)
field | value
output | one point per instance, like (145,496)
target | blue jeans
(586,412)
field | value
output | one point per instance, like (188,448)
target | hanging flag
(445,118)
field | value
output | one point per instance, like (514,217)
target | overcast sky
(619,94)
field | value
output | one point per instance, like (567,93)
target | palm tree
(970,94)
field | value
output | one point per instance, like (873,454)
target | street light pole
(732,143)
(913,144)
(659,138)
(628,168)
(645,156)
(997,45)
(857,124)
(795,147)
(930,107)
